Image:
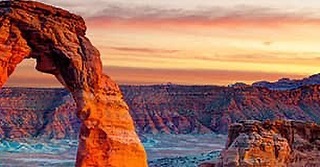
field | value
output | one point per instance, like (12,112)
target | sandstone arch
(56,39)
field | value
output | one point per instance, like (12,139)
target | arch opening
(25,75)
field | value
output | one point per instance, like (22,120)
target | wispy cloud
(142,50)
(212,15)
(209,13)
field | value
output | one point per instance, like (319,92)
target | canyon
(158,109)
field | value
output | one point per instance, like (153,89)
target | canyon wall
(199,109)
(159,109)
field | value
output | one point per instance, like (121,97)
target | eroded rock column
(56,39)
(107,130)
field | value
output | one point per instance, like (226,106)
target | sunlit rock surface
(56,39)
(272,143)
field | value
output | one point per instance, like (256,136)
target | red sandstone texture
(56,39)
(271,143)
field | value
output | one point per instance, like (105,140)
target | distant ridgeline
(50,113)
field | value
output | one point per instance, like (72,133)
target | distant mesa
(239,85)
(287,84)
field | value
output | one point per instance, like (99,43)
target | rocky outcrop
(272,143)
(56,39)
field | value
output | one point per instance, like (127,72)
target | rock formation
(56,39)
(272,143)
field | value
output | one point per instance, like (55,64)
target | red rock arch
(56,39)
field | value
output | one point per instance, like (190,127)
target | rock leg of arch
(56,39)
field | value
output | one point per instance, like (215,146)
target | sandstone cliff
(272,143)
(56,39)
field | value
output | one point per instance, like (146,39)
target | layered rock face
(272,143)
(37,113)
(56,39)
(202,109)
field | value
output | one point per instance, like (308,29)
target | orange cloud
(267,58)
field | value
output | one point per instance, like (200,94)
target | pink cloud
(239,16)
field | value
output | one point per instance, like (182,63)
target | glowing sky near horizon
(198,42)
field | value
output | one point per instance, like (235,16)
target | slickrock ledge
(56,39)
(278,143)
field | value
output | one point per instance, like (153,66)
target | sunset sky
(211,42)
